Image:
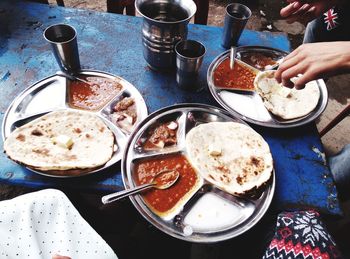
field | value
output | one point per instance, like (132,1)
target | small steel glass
(236,18)
(189,57)
(63,39)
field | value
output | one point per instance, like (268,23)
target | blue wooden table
(112,43)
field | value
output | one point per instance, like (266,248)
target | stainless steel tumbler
(63,39)
(236,18)
(164,24)
(189,57)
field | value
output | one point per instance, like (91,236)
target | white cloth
(43,223)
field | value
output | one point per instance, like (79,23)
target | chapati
(285,102)
(230,155)
(61,140)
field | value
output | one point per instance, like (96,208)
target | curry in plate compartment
(261,61)
(241,77)
(124,113)
(165,203)
(92,96)
(161,135)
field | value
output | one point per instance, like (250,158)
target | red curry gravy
(164,200)
(241,77)
(92,96)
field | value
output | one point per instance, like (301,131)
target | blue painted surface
(112,43)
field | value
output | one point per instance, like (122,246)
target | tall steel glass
(236,18)
(63,39)
(189,58)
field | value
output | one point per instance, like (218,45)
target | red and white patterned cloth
(301,235)
(331,19)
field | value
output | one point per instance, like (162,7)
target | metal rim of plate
(52,92)
(131,153)
(239,103)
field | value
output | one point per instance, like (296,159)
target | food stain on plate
(166,203)
(261,61)
(92,96)
(241,77)
(213,213)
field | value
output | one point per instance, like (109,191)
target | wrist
(346,57)
(346,66)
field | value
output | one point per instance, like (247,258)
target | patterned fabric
(300,235)
(333,25)
(40,224)
(330,19)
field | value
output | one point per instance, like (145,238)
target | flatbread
(36,144)
(285,102)
(230,155)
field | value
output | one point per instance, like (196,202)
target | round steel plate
(248,105)
(249,210)
(50,94)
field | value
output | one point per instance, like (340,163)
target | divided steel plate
(51,94)
(248,105)
(248,210)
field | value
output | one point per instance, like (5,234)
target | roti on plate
(61,140)
(285,102)
(230,155)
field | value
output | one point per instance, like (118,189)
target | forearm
(345,59)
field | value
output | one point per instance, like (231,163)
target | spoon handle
(232,56)
(122,194)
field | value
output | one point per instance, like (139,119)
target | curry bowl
(193,209)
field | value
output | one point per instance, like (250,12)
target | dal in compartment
(241,77)
(92,96)
(165,203)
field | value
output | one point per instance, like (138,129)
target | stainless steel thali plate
(51,94)
(248,105)
(239,213)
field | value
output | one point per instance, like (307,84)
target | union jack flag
(330,19)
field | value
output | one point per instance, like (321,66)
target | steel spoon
(162,180)
(71,77)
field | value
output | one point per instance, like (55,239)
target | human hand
(313,61)
(305,10)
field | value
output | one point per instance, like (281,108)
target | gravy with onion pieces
(241,77)
(162,135)
(162,202)
(258,60)
(92,96)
